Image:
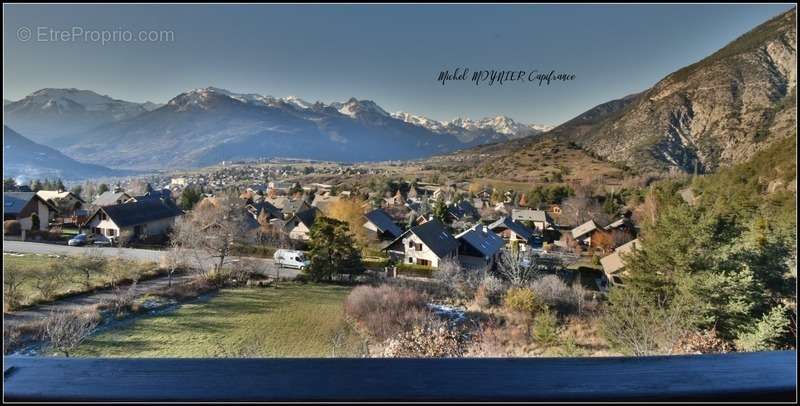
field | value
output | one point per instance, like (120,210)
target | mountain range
(713,113)
(204,126)
(28,160)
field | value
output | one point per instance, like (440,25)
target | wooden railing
(767,376)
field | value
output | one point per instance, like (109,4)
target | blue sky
(389,54)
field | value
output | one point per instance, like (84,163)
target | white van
(291,259)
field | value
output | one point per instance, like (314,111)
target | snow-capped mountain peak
(298,102)
(502,125)
(355,107)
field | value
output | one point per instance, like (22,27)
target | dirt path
(87,299)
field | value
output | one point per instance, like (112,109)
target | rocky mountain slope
(714,113)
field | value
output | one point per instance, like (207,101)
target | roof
(584,229)
(531,215)
(307,216)
(155,194)
(614,262)
(139,212)
(616,224)
(482,239)
(518,228)
(14,202)
(383,222)
(463,209)
(434,236)
(108,198)
(270,209)
(55,194)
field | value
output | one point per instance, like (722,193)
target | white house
(27,207)
(427,244)
(134,220)
(299,225)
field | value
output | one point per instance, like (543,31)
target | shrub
(13,278)
(121,301)
(462,282)
(703,342)
(545,328)
(521,300)
(62,331)
(12,337)
(385,311)
(12,227)
(490,292)
(431,339)
(553,292)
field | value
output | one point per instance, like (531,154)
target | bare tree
(48,281)
(91,263)
(63,331)
(212,230)
(517,267)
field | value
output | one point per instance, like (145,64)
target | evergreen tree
(332,250)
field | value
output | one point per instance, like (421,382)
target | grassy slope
(291,321)
(31,263)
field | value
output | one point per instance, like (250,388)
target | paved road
(265,266)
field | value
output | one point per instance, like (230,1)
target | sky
(391,54)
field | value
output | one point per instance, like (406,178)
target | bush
(385,311)
(121,302)
(433,338)
(545,328)
(703,342)
(12,227)
(63,331)
(553,292)
(490,292)
(521,300)
(13,278)
(463,282)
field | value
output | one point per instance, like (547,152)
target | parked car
(92,239)
(291,259)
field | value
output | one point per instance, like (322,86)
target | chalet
(540,219)
(379,223)
(614,263)
(513,232)
(463,211)
(134,220)
(299,225)
(623,224)
(66,202)
(257,208)
(288,206)
(479,247)
(27,208)
(427,244)
(163,194)
(396,200)
(583,233)
(110,198)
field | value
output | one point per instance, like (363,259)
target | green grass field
(293,320)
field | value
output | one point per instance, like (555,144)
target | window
(410,260)
(423,262)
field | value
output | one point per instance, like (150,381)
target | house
(163,194)
(427,244)
(396,200)
(463,211)
(614,263)
(134,220)
(65,202)
(110,198)
(479,247)
(27,208)
(624,224)
(379,223)
(583,233)
(540,219)
(512,232)
(288,206)
(299,225)
(256,209)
